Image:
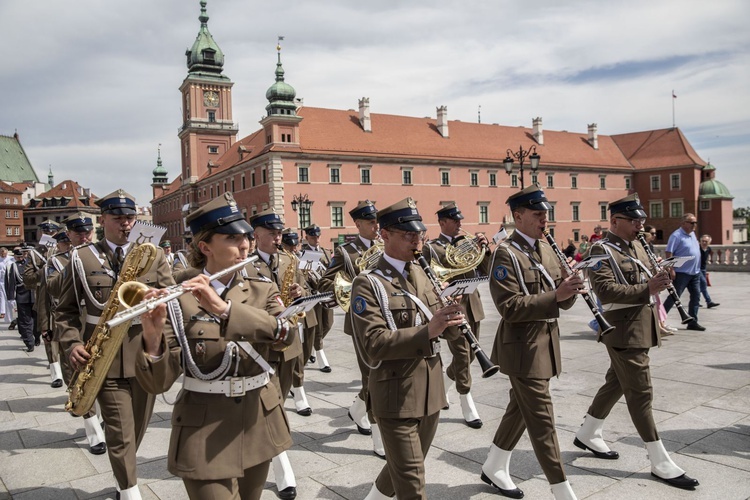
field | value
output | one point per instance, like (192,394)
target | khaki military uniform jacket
(323,314)
(215,436)
(34,279)
(77,324)
(408,379)
(342,257)
(262,269)
(527,343)
(55,270)
(472,302)
(627,306)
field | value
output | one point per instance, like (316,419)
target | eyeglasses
(653,233)
(408,235)
(635,222)
(691,222)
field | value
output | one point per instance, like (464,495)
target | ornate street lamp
(304,204)
(521,155)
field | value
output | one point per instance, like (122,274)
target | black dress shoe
(289,493)
(695,326)
(361,430)
(12,325)
(474,424)
(29,348)
(56,383)
(305,412)
(606,455)
(37,342)
(514,493)
(684,481)
(98,449)
(326,369)
(312,359)
(713,304)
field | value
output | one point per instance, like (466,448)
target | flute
(488,369)
(143,306)
(603,325)
(686,318)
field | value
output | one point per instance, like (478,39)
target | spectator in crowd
(583,248)
(683,243)
(666,330)
(705,252)
(570,250)
(597,234)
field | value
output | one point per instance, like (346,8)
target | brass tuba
(105,342)
(465,255)
(342,287)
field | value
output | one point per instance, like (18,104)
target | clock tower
(207,129)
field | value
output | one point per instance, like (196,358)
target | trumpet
(131,294)
(686,318)
(488,369)
(603,325)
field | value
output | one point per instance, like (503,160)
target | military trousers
(308,339)
(406,442)
(126,409)
(459,370)
(530,408)
(248,487)
(629,375)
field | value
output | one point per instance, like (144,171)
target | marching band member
(396,318)
(228,420)
(458,372)
(274,265)
(323,314)
(529,290)
(92,271)
(166,245)
(344,261)
(626,284)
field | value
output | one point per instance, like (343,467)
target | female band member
(228,420)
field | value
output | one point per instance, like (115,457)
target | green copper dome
(713,189)
(160,173)
(281,95)
(204,56)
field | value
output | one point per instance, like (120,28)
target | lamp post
(521,155)
(304,204)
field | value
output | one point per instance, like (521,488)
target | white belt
(231,387)
(94,320)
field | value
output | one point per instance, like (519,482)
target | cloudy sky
(91,86)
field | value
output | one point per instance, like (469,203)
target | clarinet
(603,325)
(488,369)
(686,318)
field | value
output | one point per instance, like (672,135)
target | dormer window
(209,55)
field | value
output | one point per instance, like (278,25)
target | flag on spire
(673,95)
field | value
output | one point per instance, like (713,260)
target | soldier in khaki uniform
(459,371)
(228,421)
(274,265)
(322,313)
(92,271)
(397,317)
(529,290)
(345,261)
(626,285)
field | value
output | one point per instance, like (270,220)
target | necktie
(409,275)
(119,258)
(274,270)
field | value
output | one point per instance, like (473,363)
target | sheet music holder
(143,232)
(304,304)
(676,261)
(590,261)
(47,241)
(310,259)
(500,236)
(463,287)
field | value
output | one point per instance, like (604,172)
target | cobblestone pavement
(701,406)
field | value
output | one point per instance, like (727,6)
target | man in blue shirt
(683,242)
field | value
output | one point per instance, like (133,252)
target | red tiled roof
(7,188)
(70,190)
(657,149)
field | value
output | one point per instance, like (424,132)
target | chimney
(593,136)
(364,114)
(442,120)
(538,130)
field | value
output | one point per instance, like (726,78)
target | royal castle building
(313,164)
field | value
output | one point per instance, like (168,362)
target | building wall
(11,219)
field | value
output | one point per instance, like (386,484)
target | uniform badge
(98,295)
(359,305)
(597,266)
(404,317)
(200,348)
(500,273)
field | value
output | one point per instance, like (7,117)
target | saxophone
(289,279)
(105,342)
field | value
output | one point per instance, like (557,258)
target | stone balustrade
(723,257)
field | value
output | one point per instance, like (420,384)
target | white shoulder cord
(348,262)
(382,296)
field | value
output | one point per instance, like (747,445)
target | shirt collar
(218,285)
(263,255)
(113,247)
(531,241)
(368,243)
(398,265)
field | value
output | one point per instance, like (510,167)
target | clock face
(210,99)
